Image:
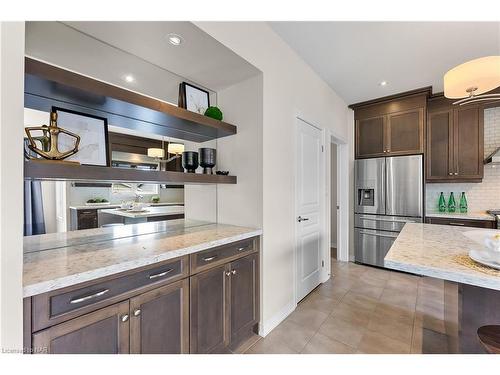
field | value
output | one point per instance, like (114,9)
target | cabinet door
(159,320)
(468,143)
(209,311)
(244,303)
(87,219)
(439,154)
(370,140)
(405,132)
(105,331)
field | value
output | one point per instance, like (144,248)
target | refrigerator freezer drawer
(372,246)
(379,222)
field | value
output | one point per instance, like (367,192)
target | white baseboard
(267,326)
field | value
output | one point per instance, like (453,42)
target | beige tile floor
(363,309)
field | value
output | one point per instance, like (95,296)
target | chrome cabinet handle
(228,273)
(241,248)
(90,296)
(456,173)
(124,318)
(233,272)
(451,174)
(378,235)
(137,312)
(160,274)
(208,259)
(453,223)
(301,219)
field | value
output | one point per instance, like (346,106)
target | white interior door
(308,203)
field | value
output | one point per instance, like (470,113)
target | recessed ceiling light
(174,39)
(129,78)
(383,83)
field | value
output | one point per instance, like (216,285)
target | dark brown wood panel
(405,132)
(469,142)
(209,311)
(244,298)
(105,331)
(86,219)
(160,320)
(439,155)
(490,224)
(370,137)
(64,172)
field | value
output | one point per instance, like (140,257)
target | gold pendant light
(471,80)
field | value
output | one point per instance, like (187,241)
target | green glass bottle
(463,203)
(451,203)
(442,203)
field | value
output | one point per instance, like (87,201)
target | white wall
(11,182)
(290,87)
(333,195)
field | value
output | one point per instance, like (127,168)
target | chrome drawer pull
(242,248)
(86,298)
(378,235)
(160,274)
(208,259)
(453,223)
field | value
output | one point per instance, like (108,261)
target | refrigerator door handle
(377,234)
(385,220)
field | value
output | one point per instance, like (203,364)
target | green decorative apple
(214,112)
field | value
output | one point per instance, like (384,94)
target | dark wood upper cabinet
(370,137)
(405,132)
(159,320)
(455,142)
(105,331)
(390,127)
(244,298)
(209,311)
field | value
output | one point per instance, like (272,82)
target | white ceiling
(200,58)
(354,57)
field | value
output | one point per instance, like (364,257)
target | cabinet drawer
(219,255)
(54,307)
(461,222)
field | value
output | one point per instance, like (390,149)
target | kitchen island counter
(438,251)
(59,260)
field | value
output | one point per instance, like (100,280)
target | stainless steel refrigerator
(388,194)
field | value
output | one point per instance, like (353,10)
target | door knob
(301,219)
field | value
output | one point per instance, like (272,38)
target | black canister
(207,159)
(190,161)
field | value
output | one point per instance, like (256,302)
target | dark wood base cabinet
(461,222)
(207,302)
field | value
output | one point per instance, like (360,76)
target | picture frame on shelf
(93,132)
(194,99)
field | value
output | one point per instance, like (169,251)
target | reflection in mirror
(62,206)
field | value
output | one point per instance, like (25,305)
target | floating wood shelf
(66,172)
(47,85)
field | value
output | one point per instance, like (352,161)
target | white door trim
(342,194)
(325,246)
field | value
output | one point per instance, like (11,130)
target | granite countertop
(433,250)
(147,212)
(85,255)
(479,215)
(105,206)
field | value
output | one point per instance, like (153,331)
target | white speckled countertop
(430,250)
(59,260)
(457,215)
